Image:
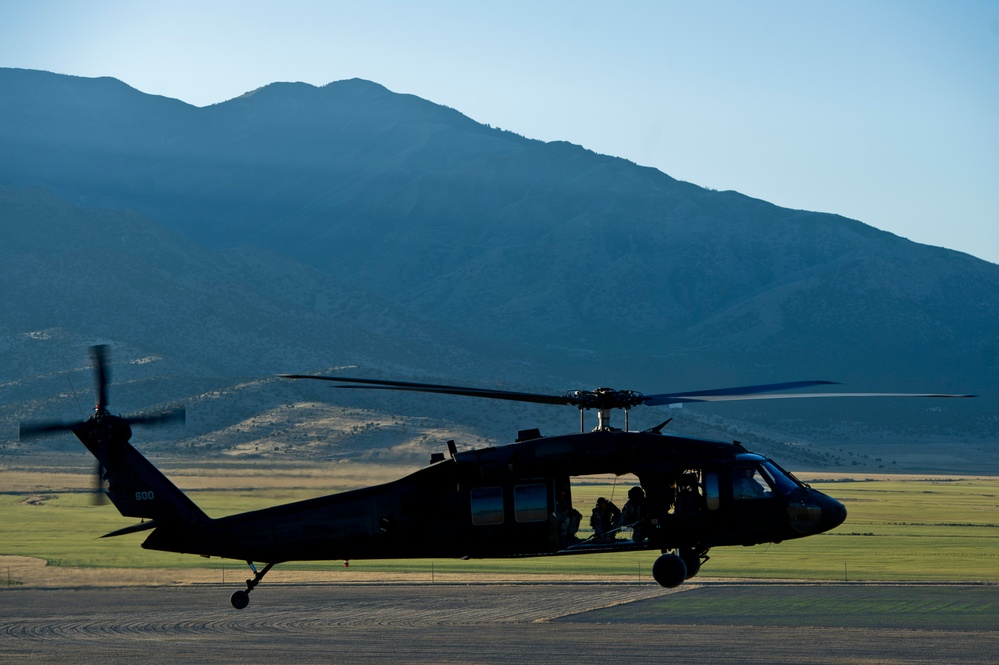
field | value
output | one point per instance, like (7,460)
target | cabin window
(487,505)
(530,503)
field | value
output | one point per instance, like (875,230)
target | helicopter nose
(833,513)
(816,513)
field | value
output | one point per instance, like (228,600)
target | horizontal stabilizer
(135,528)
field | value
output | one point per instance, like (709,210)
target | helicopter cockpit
(756,477)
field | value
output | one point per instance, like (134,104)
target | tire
(669,571)
(692,560)
(239,599)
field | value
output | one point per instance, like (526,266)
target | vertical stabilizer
(134,485)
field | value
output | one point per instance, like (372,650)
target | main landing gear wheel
(239,599)
(669,571)
(693,560)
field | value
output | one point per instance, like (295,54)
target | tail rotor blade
(100,497)
(102,374)
(28,431)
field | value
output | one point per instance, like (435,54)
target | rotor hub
(605,398)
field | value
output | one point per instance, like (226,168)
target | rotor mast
(603,419)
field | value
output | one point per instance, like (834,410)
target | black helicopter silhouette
(507,501)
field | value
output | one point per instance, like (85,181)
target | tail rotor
(110,431)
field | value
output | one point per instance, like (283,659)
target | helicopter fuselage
(505,501)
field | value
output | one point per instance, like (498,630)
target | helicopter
(511,500)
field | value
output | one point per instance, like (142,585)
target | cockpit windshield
(780,480)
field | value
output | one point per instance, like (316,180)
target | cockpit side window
(749,483)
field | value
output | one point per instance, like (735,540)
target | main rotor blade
(377,384)
(473,392)
(733,398)
(742,392)
(152,419)
(599,399)
(102,373)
